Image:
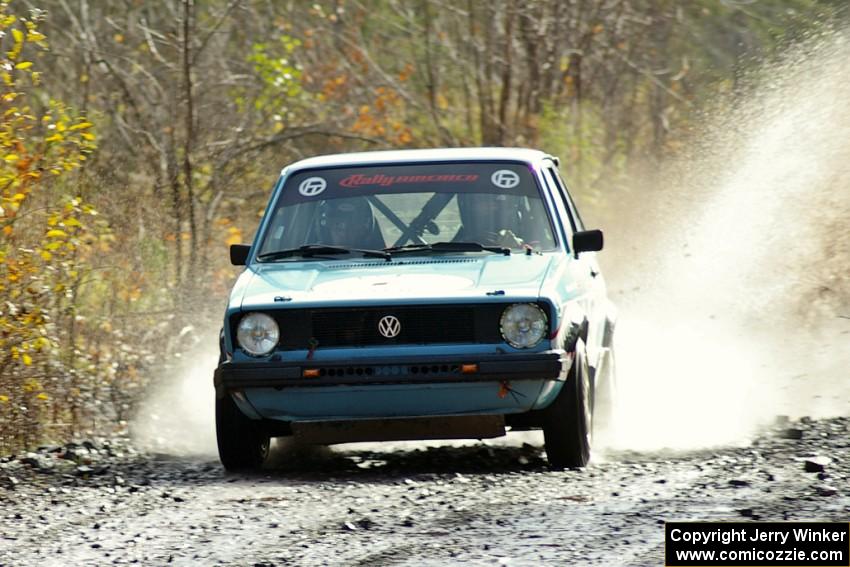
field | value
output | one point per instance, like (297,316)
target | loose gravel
(103,502)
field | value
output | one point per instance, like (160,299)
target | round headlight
(257,334)
(523,325)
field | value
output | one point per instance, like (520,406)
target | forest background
(141,138)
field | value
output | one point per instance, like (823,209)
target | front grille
(354,327)
(419,325)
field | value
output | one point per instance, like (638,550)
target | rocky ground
(102,503)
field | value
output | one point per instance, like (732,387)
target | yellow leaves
(234,236)
(48,253)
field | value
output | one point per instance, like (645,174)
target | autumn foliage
(49,233)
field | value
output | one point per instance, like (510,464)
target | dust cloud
(177,417)
(731,267)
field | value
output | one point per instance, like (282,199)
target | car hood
(422,278)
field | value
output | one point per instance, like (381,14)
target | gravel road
(104,502)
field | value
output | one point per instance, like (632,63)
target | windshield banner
(508,178)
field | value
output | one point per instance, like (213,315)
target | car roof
(431,155)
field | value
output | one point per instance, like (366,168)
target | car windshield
(392,206)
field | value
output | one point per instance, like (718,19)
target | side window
(564,199)
(566,220)
(575,218)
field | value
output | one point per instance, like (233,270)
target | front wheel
(567,420)
(242,444)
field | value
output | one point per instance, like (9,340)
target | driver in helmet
(349,223)
(489,219)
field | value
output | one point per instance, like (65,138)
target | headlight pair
(523,325)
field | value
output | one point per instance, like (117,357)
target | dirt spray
(731,272)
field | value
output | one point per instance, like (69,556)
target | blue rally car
(417,294)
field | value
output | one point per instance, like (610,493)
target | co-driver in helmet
(349,223)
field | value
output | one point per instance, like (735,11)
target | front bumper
(548,365)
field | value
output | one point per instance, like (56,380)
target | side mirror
(239,254)
(587,241)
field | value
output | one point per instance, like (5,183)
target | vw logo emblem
(389,326)
(505,179)
(312,186)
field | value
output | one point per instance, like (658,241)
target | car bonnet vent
(396,263)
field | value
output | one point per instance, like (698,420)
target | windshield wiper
(448,247)
(311,250)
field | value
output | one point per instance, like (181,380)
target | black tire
(567,421)
(242,443)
